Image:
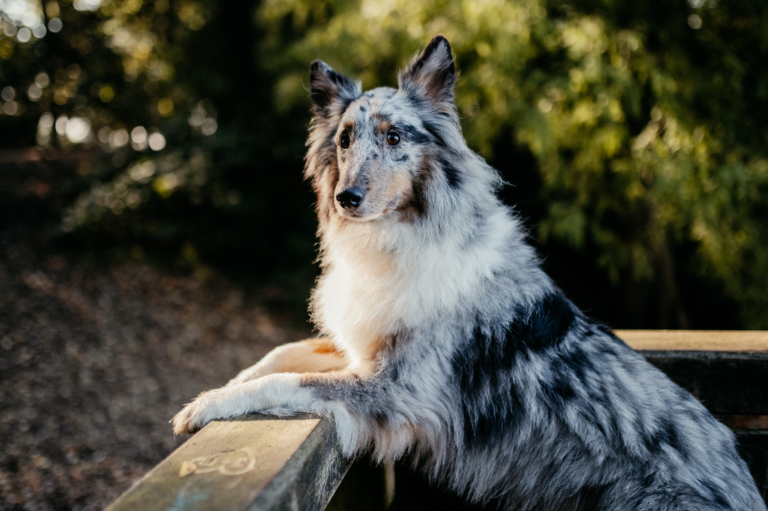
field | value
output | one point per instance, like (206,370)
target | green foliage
(633,134)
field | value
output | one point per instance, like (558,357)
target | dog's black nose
(351,197)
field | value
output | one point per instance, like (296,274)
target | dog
(442,338)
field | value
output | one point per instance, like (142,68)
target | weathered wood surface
(727,371)
(251,463)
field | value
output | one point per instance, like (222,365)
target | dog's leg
(311,355)
(348,395)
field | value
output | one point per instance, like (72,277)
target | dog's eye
(344,140)
(393,138)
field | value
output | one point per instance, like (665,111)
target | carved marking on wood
(187,467)
(231,463)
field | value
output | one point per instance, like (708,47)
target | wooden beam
(745,341)
(253,462)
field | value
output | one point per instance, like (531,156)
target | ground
(94,362)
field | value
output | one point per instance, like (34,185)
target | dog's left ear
(327,86)
(431,74)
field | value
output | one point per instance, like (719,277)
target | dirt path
(94,362)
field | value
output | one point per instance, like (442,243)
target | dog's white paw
(202,410)
(276,391)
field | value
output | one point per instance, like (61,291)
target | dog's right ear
(327,86)
(431,74)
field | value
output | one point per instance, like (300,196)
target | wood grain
(696,340)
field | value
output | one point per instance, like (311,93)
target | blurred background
(156,235)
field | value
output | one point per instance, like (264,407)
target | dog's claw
(181,424)
(189,420)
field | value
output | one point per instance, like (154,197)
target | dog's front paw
(272,392)
(195,415)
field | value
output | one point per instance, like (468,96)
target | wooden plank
(253,463)
(696,340)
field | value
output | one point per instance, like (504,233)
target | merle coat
(441,336)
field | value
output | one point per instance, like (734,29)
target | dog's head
(376,153)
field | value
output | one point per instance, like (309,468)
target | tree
(187,153)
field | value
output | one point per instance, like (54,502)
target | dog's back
(561,414)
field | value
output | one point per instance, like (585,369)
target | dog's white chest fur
(371,290)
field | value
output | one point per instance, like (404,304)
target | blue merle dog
(442,337)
